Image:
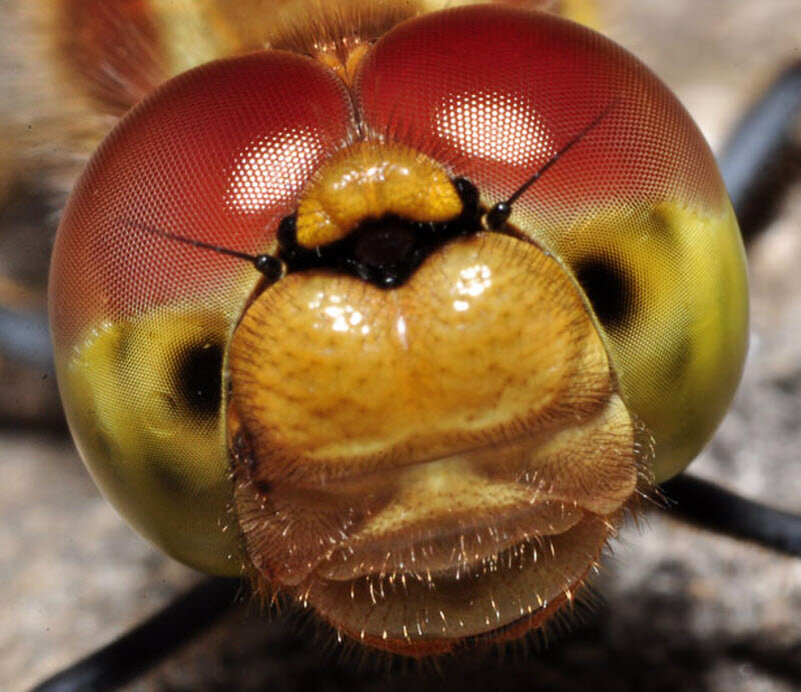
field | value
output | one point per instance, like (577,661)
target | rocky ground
(680,609)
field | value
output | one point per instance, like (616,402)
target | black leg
(154,640)
(761,151)
(714,508)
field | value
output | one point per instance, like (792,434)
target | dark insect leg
(147,644)
(756,157)
(714,508)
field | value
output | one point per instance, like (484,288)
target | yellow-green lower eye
(146,393)
(667,285)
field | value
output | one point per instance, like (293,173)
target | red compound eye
(219,154)
(428,419)
(636,210)
(494,93)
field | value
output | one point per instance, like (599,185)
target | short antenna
(268,265)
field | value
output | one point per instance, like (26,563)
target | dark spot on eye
(659,224)
(104,448)
(680,356)
(609,290)
(199,377)
(166,472)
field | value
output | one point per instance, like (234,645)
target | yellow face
(452,442)
(421,424)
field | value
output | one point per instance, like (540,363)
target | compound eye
(637,211)
(141,325)
(668,288)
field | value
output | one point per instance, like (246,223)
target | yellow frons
(368,180)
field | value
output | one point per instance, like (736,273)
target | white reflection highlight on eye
(271,169)
(495,126)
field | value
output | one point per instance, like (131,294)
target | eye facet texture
(220,155)
(393,425)
(494,95)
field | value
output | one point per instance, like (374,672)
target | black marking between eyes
(198,377)
(610,290)
(384,251)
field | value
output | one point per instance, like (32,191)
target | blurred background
(678,608)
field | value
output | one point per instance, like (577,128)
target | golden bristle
(318,26)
